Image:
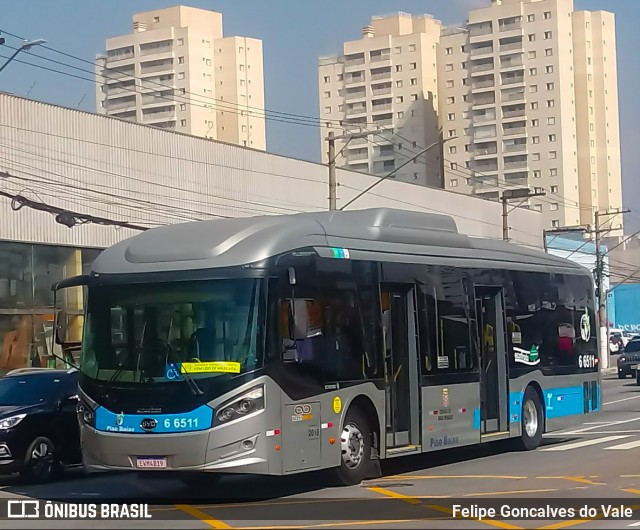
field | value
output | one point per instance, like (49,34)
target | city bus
(326,341)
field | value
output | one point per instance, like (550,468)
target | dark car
(629,359)
(39,432)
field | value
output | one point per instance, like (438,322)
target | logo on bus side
(148,424)
(302,413)
(531,357)
(585,326)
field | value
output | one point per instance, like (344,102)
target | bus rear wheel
(532,425)
(355,446)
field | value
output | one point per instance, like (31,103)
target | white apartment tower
(177,71)
(385,83)
(530,89)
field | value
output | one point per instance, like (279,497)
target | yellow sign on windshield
(219,367)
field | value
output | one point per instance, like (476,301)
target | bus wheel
(532,420)
(355,446)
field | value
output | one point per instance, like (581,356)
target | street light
(27,45)
(434,144)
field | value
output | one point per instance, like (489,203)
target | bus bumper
(207,450)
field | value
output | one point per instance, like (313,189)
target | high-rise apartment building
(385,83)
(177,71)
(529,87)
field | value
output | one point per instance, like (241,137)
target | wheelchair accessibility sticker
(173,370)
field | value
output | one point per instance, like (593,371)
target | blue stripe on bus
(195,420)
(558,402)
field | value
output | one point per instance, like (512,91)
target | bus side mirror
(61,327)
(300,319)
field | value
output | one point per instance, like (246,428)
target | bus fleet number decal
(314,432)
(587,361)
(181,423)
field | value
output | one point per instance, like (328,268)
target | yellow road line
(427,477)
(349,523)
(576,522)
(632,490)
(514,492)
(394,495)
(490,522)
(204,517)
(581,480)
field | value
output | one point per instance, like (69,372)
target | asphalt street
(593,464)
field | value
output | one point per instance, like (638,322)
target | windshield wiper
(197,391)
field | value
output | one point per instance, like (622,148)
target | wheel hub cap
(352,445)
(530,416)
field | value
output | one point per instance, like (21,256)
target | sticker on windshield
(218,367)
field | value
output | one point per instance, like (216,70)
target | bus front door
(401,368)
(494,380)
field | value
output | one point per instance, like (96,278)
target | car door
(69,433)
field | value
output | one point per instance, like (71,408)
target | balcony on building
(483,182)
(163,47)
(517,162)
(164,113)
(120,54)
(488,196)
(513,111)
(381,73)
(169,125)
(381,105)
(479,29)
(484,149)
(515,77)
(483,82)
(481,48)
(481,65)
(152,84)
(115,75)
(483,116)
(360,168)
(156,66)
(125,88)
(355,142)
(354,78)
(518,128)
(483,98)
(510,61)
(515,145)
(358,108)
(381,89)
(511,44)
(517,180)
(355,93)
(510,24)
(357,155)
(512,94)
(161,97)
(380,56)
(383,167)
(385,151)
(383,120)
(124,102)
(124,114)
(353,61)
(487,165)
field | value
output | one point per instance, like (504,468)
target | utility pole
(522,193)
(332,171)
(601,293)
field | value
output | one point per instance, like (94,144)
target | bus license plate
(153,463)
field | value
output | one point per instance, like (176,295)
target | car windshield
(29,390)
(633,346)
(157,333)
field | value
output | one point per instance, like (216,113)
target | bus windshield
(170,332)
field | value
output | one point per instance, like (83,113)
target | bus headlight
(248,403)
(85,414)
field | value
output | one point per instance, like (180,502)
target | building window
(414,97)
(180,60)
(327,79)
(340,77)
(533,89)
(399,83)
(548,52)
(537,174)
(593,143)
(554,189)
(552,137)
(398,68)
(413,82)
(414,113)
(452,133)
(548,35)
(535,123)
(554,207)
(453,183)
(242,67)
(340,108)
(241,49)
(399,99)
(553,172)
(551,121)
(550,86)
(452,149)
(531,18)
(553,155)
(467,147)
(535,139)
(180,42)
(451,116)
(589,77)
(535,157)
(548,69)
(156,19)
(183,123)
(241,82)
(532,55)
(327,95)
(327,110)
(449,67)
(555,223)
(450,83)
(532,37)
(400,115)
(453,165)
(533,105)
(398,49)
(451,100)
(533,71)
(412,47)
(413,66)
(449,51)
(208,62)
(547,15)
(551,103)
(464,65)
(180,75)
(183,106)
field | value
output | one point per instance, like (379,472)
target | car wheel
(638,377)
(41,463)
(355,445)
(622,375)
(532,421)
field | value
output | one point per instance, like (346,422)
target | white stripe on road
(620,400)
(635,524)
(585,443)
(622,447)
(594,427)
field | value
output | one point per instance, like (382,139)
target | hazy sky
(294,35)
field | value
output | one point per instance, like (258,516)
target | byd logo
(148,424)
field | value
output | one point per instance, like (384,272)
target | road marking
(490,522)
(204,517)
(428,477)
(593,427)
(630,431)
(514,492)
(632,490)
(635,524)
(576,522)
(348,523)
(584,443)
(580,480)
(394,495)
(623,447)
(620,400)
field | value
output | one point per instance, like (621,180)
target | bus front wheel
(532,420)
(355,446)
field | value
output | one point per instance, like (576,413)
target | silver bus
(283,344)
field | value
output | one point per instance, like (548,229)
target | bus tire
(355,448)
(532,421)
